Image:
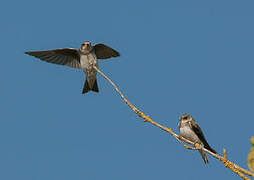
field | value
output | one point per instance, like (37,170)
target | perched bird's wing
(68,56)
(103,52)
(199,133)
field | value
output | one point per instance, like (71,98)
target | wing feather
(200,135)
(104,52)
(67,56)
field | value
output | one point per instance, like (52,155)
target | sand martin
(190,130)
(84,58)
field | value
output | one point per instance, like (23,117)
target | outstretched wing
(200,135)
(104,52)
(68,56)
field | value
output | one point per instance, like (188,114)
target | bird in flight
(84,58)
(190,130)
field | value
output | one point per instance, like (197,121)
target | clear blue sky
(176,57)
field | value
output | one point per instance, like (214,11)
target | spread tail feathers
(87,88)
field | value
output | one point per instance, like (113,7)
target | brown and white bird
(190,130)
(84,58)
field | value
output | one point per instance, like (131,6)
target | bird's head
(185,118)
(85,47)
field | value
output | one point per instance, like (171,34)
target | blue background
(176,57)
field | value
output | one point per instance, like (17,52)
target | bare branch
(228,164)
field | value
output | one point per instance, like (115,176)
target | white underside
(88,61)
(187,133)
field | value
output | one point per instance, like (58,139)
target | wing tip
(117,54)
(30,53)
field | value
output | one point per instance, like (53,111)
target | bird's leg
(197,145)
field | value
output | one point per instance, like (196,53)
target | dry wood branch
(251,156)
(228,164)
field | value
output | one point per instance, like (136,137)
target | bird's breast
(87,61)
(188,133)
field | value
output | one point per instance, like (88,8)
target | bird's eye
(185,118)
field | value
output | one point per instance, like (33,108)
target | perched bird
(190,130)
(84,58)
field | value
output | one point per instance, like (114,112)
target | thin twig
(228,164)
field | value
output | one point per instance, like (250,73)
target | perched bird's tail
(204,157)
(87,88)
